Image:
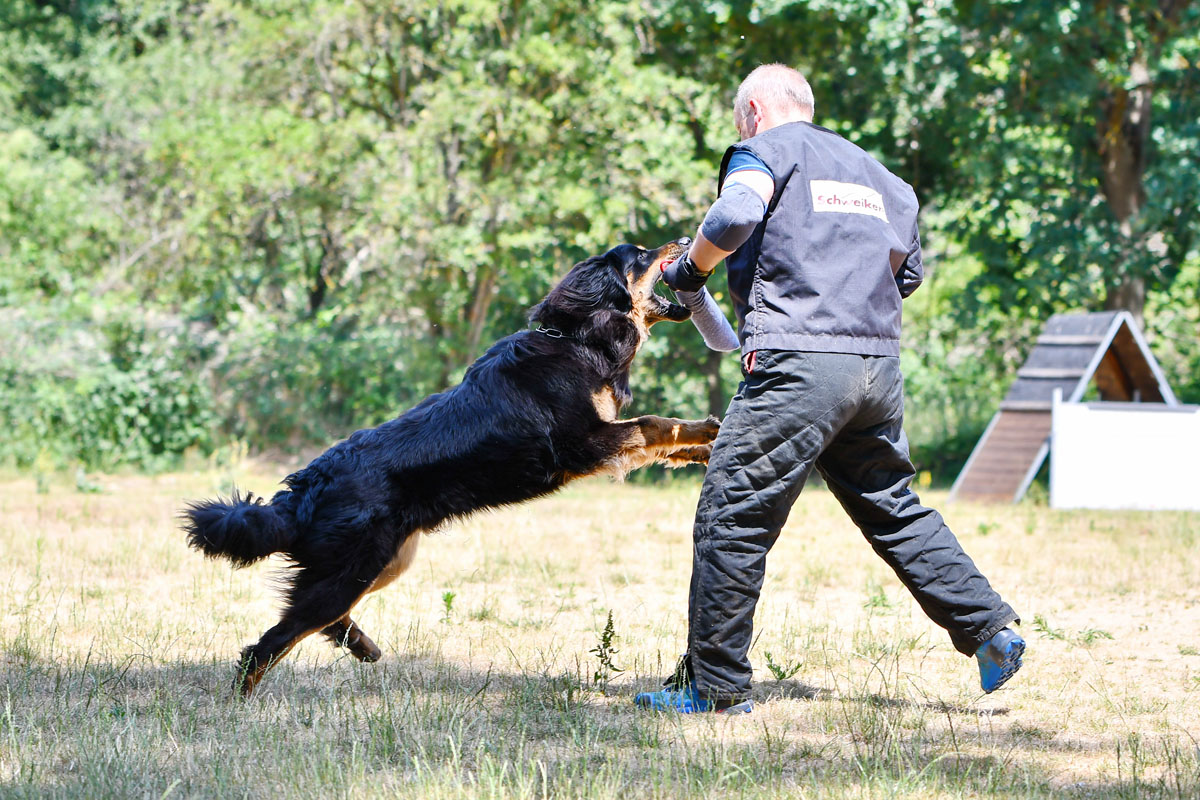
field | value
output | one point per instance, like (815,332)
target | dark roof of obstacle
(1074,348)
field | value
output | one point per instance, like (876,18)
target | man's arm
(744,199)
(734,221)
(912,272)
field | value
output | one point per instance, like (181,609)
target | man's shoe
(999,659)
(687,701)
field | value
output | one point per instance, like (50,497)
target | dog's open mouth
(667,309)
(664,308)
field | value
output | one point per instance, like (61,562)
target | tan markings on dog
(346,633)
(673,251)
(641,312)
(248,679)
(399,563)
(646,304)
(605,403)
(642,292)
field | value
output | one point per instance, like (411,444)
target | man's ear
(754,118)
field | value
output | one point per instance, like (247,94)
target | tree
(1083,135)
(335,206)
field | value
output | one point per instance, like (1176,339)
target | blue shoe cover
(999,659)
(687,701)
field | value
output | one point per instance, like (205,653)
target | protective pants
(842,414)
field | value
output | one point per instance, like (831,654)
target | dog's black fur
(536,411)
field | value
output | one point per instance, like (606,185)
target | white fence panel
(1125,455)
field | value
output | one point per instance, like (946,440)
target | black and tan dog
(538,410)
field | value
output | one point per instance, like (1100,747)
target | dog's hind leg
(400,562)
(345,633)
(316,601)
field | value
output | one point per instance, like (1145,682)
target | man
(822,246)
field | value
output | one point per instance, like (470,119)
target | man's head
(769,96)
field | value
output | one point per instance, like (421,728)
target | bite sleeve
(709,320)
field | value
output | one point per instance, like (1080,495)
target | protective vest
(835,254)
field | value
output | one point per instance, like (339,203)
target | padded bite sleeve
(709,320)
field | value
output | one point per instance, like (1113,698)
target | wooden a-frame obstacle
(1073,350)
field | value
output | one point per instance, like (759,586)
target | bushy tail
(243,530)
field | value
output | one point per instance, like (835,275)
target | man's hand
(682,274)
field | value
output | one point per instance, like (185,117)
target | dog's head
(620,281)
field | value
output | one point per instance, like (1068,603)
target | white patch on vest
(848,198)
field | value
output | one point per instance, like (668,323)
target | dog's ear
(594,284)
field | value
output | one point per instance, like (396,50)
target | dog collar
(553,333)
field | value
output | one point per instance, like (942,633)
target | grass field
(118,646)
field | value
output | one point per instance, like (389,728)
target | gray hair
(777,86)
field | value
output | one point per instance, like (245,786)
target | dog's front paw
(710,428)
(696,454)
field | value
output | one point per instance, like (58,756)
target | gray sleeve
(709,320)
(733,217)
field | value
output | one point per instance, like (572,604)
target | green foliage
(1173,324)
(1084,638)
(43,67)
(316,380)
(1082,130)
(781,672)
(102,396)
(53,233)
(334,208)
(1089,636)
(1042,626)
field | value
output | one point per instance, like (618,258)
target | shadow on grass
(418,724)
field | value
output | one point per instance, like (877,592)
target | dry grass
(118,643)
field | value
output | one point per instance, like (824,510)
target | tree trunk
(1123,129)
(481,303)
(1128,294)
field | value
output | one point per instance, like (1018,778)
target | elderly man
(822,246)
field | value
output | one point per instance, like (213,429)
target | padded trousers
(842,414)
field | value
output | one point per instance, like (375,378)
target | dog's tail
(243,529)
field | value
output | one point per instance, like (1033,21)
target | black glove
(682,274)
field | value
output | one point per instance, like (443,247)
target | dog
(538,410)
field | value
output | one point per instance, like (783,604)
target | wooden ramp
(1073,350)
(1014,443)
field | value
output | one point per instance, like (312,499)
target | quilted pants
(843,415)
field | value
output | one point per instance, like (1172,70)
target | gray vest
(826,269)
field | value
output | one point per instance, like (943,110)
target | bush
(104,396)
(316,381)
